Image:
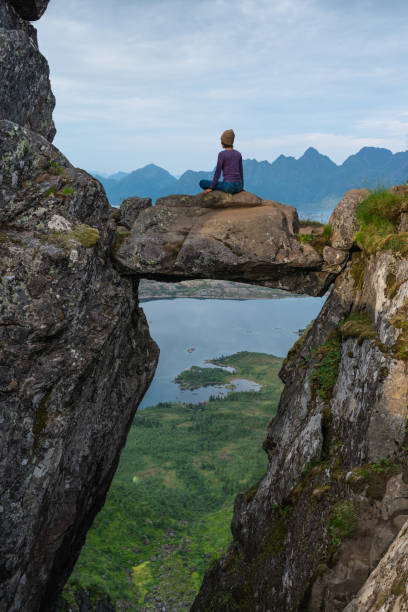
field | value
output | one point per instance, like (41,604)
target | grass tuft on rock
(327,232)
(68,191)
(326,369)
(379,215)
(317,241)
(343,522)
(87,236)
(305,238)
(358,325)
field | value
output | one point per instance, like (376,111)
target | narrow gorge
(326,528)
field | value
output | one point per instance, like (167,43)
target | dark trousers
(234,187)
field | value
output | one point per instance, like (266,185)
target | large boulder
(11,20)
(219,236)
(31,10)
(75,360)
(25,96)
(343,220)
(387,586)
(130,209)
(213,199)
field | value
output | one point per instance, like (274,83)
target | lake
(191,331)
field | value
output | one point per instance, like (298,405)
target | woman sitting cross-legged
(230,163)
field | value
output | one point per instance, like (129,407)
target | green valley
(168,511)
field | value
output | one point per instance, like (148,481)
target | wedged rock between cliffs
(237,237)
(310,534)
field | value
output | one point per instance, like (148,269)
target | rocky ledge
(230,237)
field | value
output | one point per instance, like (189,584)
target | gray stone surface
(210,236)
(131,208)
(343,220)
(386,589)
(25,96)
(334,257)
(213,199)
(75,359)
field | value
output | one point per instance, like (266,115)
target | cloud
(136,74)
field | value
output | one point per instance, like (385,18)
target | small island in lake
(197,377)
(239,366)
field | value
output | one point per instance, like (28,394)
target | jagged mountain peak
(311,178)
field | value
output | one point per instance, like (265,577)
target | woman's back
(231,161)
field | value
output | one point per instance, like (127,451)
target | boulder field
(326,528)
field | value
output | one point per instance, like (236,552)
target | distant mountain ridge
(313,178)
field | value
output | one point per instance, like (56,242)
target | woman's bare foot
(207,191)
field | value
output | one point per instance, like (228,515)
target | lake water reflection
(219,327)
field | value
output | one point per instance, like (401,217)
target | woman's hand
(207,190)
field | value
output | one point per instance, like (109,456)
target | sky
(157,81)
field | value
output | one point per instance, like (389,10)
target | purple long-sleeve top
(230,162)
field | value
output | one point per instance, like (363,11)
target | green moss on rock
(379,216)
(120,237)
(343,522)
(358,325)
(358,264)
(391,285)
(87,236)
(325,372)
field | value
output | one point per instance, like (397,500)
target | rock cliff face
(335,495)
(75,352)
(75,360)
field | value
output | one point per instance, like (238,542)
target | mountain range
(312,181)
